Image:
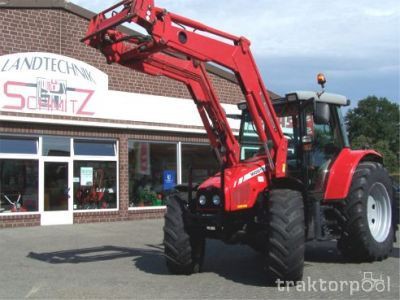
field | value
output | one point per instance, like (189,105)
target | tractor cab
(314,127)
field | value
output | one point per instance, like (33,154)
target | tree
(375,123)
(390,158)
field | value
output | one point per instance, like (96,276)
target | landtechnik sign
(46,87)
(47,83)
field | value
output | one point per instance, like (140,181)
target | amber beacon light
(321,79)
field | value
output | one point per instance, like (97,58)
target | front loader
(274,190)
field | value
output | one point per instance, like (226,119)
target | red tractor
(275,190)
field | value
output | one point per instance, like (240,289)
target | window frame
(116,184)
(93,140)
(25,156)
(70,159)
(71,140)
(96,158)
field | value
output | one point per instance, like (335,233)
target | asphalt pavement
(124,260)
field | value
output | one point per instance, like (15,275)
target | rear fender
(342,170)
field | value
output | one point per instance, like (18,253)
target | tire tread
(286,235)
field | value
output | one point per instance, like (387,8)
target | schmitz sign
(43,87)
(46,83)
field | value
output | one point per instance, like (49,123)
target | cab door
(321,146)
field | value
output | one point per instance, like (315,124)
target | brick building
(84,141)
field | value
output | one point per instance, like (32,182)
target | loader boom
(178,48)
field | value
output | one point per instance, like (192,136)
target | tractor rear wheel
(183,247)
(285,236)
(368,230)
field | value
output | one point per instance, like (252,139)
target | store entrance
(57,203)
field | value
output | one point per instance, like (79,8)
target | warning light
(321,79)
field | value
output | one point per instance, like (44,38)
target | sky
(356,44)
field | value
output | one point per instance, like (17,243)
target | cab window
(249,141)
(326,140)
(287,114)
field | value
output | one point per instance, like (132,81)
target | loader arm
(177,47)
(198,83)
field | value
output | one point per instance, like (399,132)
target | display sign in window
(86,176)
(169,179)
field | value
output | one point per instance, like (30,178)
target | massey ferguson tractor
(275,190)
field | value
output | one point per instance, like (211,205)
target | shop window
(152,173)
(97,148)
(18,185)
(17,145)
(56,146)
(95,185)
(201,160)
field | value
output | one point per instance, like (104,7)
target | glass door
(56,192)
(55,186)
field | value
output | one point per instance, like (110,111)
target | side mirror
(321,113)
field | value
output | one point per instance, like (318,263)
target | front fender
(342,170)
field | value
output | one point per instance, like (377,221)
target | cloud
(293,27)
(310,27)
(350,78)
(379,12)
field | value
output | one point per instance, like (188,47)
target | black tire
(357,242)
(183,248)
(286,236)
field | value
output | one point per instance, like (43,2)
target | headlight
(202,200)
(216,200)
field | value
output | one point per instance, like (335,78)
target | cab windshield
(287,114)
(249,142)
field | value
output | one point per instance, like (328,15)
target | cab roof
(319,97)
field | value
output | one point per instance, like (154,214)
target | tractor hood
(242,184)
(212,182)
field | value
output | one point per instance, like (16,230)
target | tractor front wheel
(285,236)
(368,230)
(183,246)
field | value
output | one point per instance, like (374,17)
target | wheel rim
(379,212)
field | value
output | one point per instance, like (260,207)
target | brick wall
(19,221)
(59,31)
(95,217)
